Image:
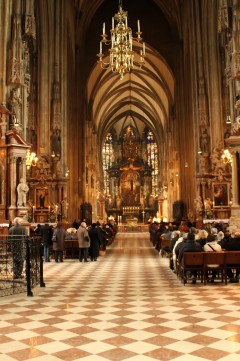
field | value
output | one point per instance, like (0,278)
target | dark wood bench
(203,262)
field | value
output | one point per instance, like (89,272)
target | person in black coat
(190,245)
(229,243)
(46,234)
(17,235)
(95,238)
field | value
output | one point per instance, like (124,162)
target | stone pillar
(13,177)
(160,210)
(22,169)
(234,145)
(235,185)
(203,190)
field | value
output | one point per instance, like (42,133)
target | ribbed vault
(146,93)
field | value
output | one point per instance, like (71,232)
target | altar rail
(21,264)
(137,228)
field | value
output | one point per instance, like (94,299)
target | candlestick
(33,215)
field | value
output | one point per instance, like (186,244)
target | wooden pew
(202,261)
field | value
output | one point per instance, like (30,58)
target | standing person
(95,238)
(46,234)
(83,242)
(59,235)
(17,235)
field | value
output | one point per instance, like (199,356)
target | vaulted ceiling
(147,94)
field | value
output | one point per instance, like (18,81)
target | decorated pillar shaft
(235,180)
(12,176)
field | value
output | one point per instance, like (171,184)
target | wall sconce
(186,164)
(200,151)
(31,159)
(53,154)
(226,156)
(67,172)
(228,119)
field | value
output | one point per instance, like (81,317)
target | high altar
(131,197)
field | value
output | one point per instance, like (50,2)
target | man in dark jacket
(17,235)
(190,245)
(231,244)
(95,238)
(46,234)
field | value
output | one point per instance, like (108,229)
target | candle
(100,47)
(112,22)
(49,208)
(103,28)
(143,48)
(138,25)
(126,22)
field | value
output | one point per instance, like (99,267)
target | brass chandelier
(31,159)
(121,42)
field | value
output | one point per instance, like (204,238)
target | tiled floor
(126,306)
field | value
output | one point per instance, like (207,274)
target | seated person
(190,245)
(212,246)
(232,244)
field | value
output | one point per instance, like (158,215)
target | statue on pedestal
(22,190)
(198,205)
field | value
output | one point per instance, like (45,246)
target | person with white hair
(83,242)
(212,245)
(201,236)
(17,235)
(220,236)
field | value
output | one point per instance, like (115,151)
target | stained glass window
(152,158)
(107,155)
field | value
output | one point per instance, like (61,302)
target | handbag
(54,238)
(86,236)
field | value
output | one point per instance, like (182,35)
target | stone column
(13,177)
(234,145)
(235,185)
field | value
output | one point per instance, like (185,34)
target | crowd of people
(187,238)
(91,239)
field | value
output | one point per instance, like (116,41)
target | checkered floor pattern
(126,306)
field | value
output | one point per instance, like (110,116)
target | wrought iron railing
(21,264)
